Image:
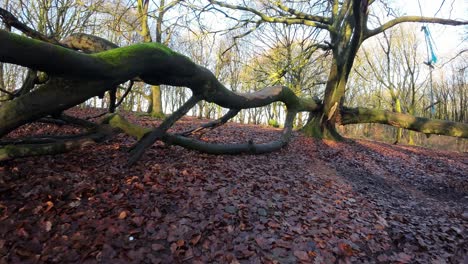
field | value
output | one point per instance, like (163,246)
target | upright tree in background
(54,19)
(451,91)
(155,103)
(393,62)
(290,59)
(3,89)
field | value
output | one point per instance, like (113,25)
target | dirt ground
(312,202)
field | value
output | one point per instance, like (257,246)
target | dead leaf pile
(312,202)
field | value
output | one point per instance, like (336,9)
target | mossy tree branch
(76,77)
(87,75)
(53,145)
(420,124)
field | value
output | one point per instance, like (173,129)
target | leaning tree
(83,66)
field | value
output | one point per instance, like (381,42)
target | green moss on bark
(118,55)
(117,121)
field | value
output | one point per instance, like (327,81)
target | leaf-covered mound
(312,201)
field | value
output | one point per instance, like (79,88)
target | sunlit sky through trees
(448,40)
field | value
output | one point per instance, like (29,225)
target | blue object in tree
(432,58)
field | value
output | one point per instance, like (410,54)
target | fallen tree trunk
(52,98)
(28,150)
(53,145)
(76,77)
(420,124)
(86,75)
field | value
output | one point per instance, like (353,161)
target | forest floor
(312,202)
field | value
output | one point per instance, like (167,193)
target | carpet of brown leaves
(312,202)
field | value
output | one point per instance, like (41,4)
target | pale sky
(448,39)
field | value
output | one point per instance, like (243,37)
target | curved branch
(213,124)
(119,122)
(127,91)
(317,21)
(414,19)
(249,147)
(420,124)
(213,148)
(219,94)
